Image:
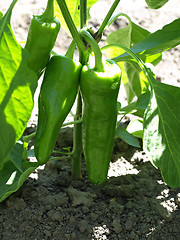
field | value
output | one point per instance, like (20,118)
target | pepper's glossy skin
(99,92)
(57,95)
(40,41)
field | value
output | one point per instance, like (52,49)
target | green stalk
(77,131)
(98,55)
(83,13)
(70,23)
(77,141)
(71,49)
(106,20)
(48,14)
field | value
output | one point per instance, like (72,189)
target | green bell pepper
(56,98)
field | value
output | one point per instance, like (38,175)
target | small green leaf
(138,82)
(14,171)
(155,4)
(127,137)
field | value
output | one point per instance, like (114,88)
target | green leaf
(162,130)
(15,171)
(73,6)
(17,84)
(1,14)
(127,137)
(138,82)
(138,107)
(138,33)
(135,127)
(133,79)
(159,41)
(155,4)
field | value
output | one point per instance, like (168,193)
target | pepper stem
(106,19)
(70,23)
(77,142)
(83,13)
(71,49)
(98,55)
(48,14)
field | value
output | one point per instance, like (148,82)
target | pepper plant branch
(71,49)
(98,55)
(48,14)
(63,153)
(106,20)
(83,13)
(70,23)
(77,141)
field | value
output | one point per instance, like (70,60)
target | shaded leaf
(17,85)
(15,171)
(127,137)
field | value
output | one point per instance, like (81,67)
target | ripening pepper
(41,38)
(57,95)
(99,92)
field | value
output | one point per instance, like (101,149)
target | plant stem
(48,14)
(70,23)
(73,122)
(98,55)
(106,19)
(77,142)
(83,13)
(71,49)
(27,138)
(77,131)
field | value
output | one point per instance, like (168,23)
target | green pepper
(41,38)
(99,92)
(57,95)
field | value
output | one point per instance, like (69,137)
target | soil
(134,203)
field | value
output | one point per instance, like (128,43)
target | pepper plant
(95,82)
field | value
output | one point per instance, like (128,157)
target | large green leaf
(159,41)
(73,6)
(155,4)
(134,81)
(17,86)
(162,125)
(15,171)
(162,130)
